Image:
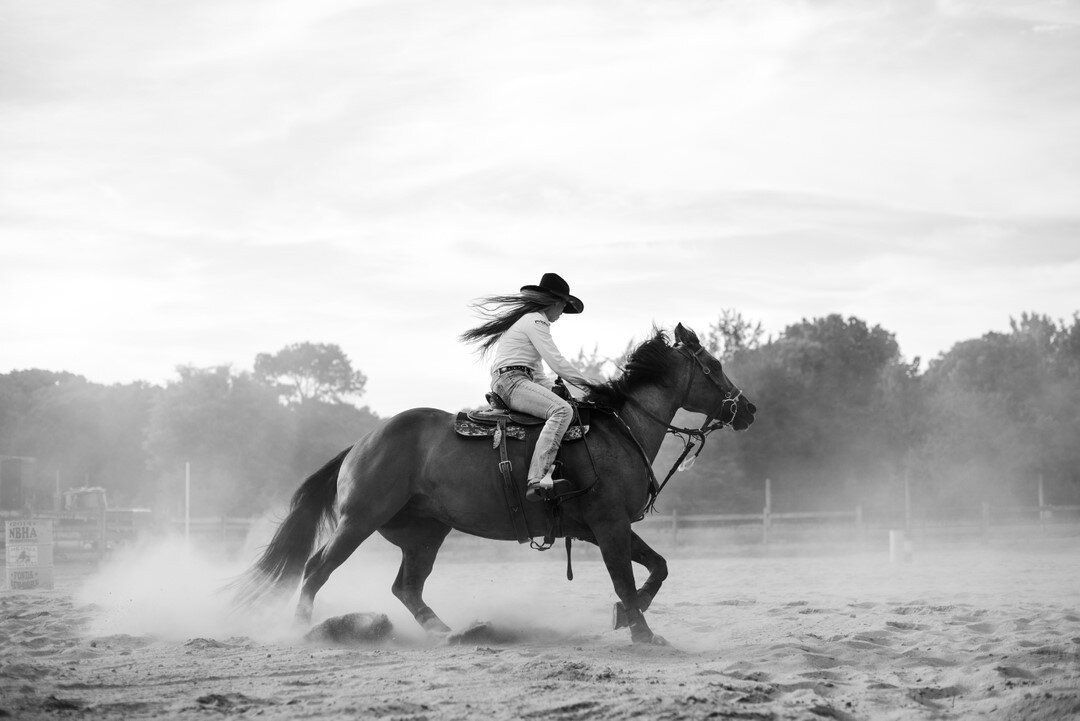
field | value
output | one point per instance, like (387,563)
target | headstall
(691,437)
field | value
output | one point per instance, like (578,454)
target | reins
(691,437)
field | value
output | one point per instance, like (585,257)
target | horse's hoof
(651,639)
(438,638)
(435,627)
(438,634)
(618,616)
(641,634)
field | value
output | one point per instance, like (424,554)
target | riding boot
(547,488)
(540,489)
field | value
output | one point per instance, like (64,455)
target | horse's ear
(686,336)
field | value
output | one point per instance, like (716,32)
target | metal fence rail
(981,518)
(97,536)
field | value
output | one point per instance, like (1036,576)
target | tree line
(248,436)
(843,419)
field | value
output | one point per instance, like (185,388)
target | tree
(79,431)
(732,333)
(310,371)
(18,390)
(323,429)
(236,435)
(589,365)
(823,431)
(1004,410)
(593,365)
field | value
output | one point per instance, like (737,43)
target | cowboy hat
(553,284)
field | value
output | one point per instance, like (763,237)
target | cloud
(256,115)
(201,182)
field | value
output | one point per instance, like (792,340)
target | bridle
(714,420)
(691,437)
(731,396)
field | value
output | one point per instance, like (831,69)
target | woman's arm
(539,332)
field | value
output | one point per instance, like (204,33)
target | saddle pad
(465,426)
(492,416)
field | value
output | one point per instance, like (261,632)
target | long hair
(502,311)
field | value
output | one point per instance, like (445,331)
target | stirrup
(538,491)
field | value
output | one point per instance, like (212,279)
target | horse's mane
(648,363)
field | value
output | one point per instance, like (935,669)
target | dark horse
(413,479)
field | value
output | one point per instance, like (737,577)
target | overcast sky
(197,182)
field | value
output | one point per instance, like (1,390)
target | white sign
(29,554)
(29,531)
(30,578)
(25,556)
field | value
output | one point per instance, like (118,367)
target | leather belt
(507,369)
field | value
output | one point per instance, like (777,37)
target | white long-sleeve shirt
(528,341)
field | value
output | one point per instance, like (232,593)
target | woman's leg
(532,398)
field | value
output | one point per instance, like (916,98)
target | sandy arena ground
(971,631)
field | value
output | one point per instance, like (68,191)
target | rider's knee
(561,411)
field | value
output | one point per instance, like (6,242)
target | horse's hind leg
(348,535)
(419,541)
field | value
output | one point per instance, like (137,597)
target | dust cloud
(172,590)
(800,629)
(175,590)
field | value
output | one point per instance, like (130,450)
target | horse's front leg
(615,541)
(642,554)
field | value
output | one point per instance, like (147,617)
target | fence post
(1044,514)
(907,502)
(766,513)
(187,502)
(103,532)
(675,527)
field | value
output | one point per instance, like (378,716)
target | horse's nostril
(751,407)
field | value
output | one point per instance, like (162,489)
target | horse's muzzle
(744,415)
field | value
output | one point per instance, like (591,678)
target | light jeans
(519,392)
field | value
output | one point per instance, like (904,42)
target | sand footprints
(924,655)
(804,645)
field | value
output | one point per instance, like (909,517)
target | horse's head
(708,389)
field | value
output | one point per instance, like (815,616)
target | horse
(414,479)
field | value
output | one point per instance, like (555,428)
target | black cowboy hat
(553,284)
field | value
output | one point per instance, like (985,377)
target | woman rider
(519,328)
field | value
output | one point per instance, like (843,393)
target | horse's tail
(282,562)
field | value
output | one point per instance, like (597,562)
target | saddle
(486,422)
(499,423)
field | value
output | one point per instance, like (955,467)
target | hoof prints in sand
(782,655)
